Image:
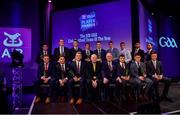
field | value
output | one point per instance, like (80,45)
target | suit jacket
(141,52)
(74,70)
(107,73)
(40,56)
(86,56)
(91,73)
(59,74)
(121,71)
(73,52)
(48,73)
(57,53)
(151,69)
(135,70)
(148,55)
(103,54)
(115,53)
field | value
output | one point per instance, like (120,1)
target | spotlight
(49,1)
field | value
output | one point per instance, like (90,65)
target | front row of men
(98,77)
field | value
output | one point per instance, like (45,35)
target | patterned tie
(94,67)
(78,67)
(110,66)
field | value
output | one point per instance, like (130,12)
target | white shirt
(127,55)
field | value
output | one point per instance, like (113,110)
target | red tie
(46,66)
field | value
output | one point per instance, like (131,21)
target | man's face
(46,59)
(154,57)
(98,45)
(149,46)
(137,45)
(45,47)
(75,44)
(94,58)
(109,57)
(122,46)
(87,46)
(110,45)
(137,58)
(61,42)
(78,57)
(122,59)
(62,60)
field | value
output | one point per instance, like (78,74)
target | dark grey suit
(140,71)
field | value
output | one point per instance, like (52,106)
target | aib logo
(167,42)
(12,40)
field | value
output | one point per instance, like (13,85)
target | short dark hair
(153,52)
(137,54)
(110,42)
(44,43)
(87,43)
(98,42)
(122,43)
(150,43)
(45,56)
(122,55)
(75,40)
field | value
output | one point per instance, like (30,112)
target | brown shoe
(71,101)
(47,100)
(79,101)
(37,100)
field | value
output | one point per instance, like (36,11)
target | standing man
(155,72)
(139,51)
(125,52)
(61,51)
(87,52)
(78,73)
(149,51)
(74,50)
(101,53)
(113,51)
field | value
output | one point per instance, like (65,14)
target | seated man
(155,72)
(78,71)
(45,76)
(109,76)
(138,72)
(123,74)
(94,77)
(61,78)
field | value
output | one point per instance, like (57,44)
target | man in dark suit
(62,70)
(138,72)
(109,76)
(87,52)
(45,76)
(123,74)
(155,72)
(94,77)
(44,51)
(101,53)
(74,50)
(113,50)
(78,72)
(139,51)
(61,50)
(149,51)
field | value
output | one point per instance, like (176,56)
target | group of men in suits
(100,70)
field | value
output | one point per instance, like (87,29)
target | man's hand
(46,80)
(75,78)
(105,80)
(119,79)
(141,78)
(61,82)
(94,83)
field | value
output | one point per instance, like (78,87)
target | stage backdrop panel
(102,22)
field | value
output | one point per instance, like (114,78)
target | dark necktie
(110,66)
(62,67)
(78,67)
(46,66)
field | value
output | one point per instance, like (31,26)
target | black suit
(65,53)
(102,54)
(148,55)
(140,51)
(61,72)
(39,59)
(94,75)
(48,73)
(111,75)
(74,72)
(73,53)
(86,55)
(151,70)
